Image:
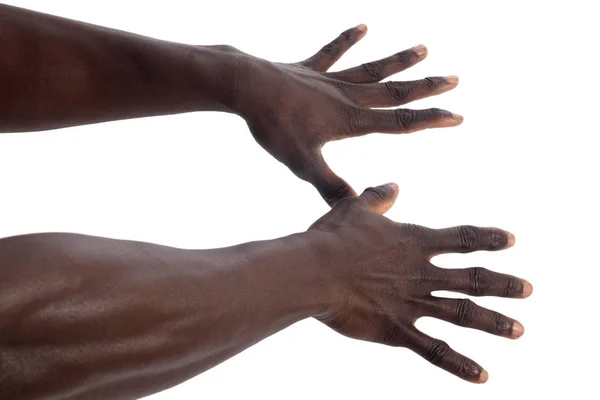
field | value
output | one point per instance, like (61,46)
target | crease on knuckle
(470,237)
(513,287)
(437,351)
(346,35)
(501,324)
(379,192)
(468,369)
(496,240)
(479,281)
(404,57)
(433,82)
(373,70)
(433,114)
(404,118)
(399,91)
(465,312)
(330,49)
(335,192)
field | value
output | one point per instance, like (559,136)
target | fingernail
(420,50)
(483,377)
(393,186)
(362,27)
(451,80)
(511,240)
(458,118)
(517,330)
(527,289)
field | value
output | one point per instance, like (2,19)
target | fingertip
(457,118)
(517,330)
(451,80)
(362,27)
(527,289)
(420,50)
(393,186)
(483,376)
(510,240)
(446,119)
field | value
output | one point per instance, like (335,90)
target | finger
(479,281)
(406,121)
(379,199)
(376,71)
(330,186)
(391,94)
(464,312)
(441,355)
(466,239)
(332,52)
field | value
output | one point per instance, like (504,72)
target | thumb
(330,186)
(379,199)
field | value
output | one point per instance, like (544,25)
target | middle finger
(391,94)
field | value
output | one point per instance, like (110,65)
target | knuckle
(501,324)
(347,35)
(404,118)
(226,48)
(497,239)
(513,287)
(433,82)
(335,192)
(479,281)
(404,57)
(465,312)
(356,120)
(399,91)
(379,192)
(437,351)
(373,70)
(426,272)
(468,368)
(469,236)
(330,49)
(433,114)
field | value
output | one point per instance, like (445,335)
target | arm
(56,72)
(84,317)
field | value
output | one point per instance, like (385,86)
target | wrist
(216,77)
(321,279)
(287,276)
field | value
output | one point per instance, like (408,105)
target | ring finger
(464,312)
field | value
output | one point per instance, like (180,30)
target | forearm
(56,72)
(84,317)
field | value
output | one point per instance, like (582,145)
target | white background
(525,159)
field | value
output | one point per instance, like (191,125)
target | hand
(384,278)
(294,109)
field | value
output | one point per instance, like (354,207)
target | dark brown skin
(56,72)
(87,318)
